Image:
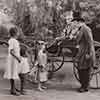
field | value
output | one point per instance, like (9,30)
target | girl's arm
(12,53)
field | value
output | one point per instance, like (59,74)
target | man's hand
(57,38)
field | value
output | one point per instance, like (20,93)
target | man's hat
(77,16)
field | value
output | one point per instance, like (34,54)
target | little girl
(23,68)
(13,60)
(42,75)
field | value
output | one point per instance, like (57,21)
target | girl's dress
(24,66)
(11,70)
(42,74)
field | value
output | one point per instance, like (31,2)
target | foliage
(91,12)
(43,18)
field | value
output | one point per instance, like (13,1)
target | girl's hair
(13,31)
(23,51)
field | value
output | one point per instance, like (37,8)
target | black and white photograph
(49,49)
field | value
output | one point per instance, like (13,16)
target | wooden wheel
(75,69)
(93,72)
(97,64)
(96,72)
(57,62)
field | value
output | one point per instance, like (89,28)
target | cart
(65,51)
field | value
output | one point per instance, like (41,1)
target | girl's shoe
(40,89)
(14,93)
(22,93)
(44,87)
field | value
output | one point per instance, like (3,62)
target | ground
(63,86)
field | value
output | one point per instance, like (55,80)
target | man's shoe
(22,93)
(40,89)
(81,90)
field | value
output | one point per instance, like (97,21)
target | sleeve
(89,38)
(11,44)
(90,41)
(79,36)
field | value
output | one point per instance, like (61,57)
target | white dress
(42,60)
(11,69)
(24,66)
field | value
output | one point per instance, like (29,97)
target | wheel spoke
(54,68)
(57,62)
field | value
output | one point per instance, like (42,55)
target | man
(86,52)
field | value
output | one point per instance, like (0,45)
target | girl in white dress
(42,64)
(23,68)
(13,60)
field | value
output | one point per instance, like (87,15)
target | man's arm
(61,37)
(79,36)
(89,39)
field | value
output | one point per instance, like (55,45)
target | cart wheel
(93,72)
(75,70)
(96,72)
(57,62)
(97,64)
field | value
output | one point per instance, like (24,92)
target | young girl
(42,64)
(23,68)
(13,60)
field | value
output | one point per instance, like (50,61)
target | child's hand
(19,60)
